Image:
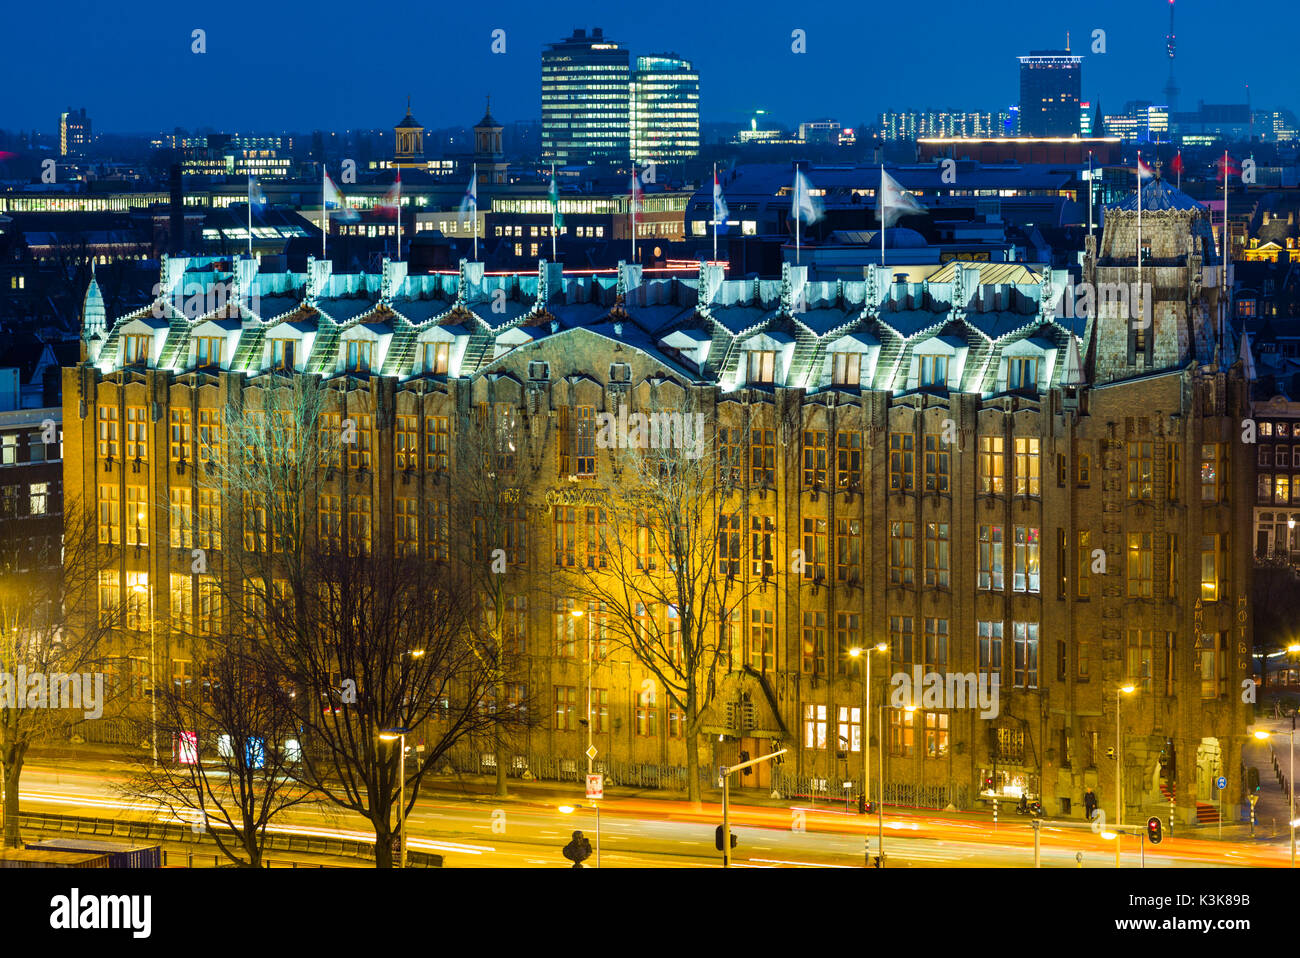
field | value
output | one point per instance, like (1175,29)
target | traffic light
(1153,830)
(717,839)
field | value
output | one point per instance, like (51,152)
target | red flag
(1233,167)
(1144,171)
(387,205)
(1177,164)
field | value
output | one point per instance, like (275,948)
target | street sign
(591,751)
(595,786)
(1221,782)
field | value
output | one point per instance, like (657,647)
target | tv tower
(1171,85)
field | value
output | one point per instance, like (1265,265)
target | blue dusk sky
(338,64)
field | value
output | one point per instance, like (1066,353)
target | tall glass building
(585,88)
(1050,85)
(665,110)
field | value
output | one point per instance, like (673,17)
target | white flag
(893,201)
(806,207)
(720,211)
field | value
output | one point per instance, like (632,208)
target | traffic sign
(1221,782)
(595,786)
(591,751)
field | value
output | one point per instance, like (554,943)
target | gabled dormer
(362,348)
(440,350)
(212,345)
(765,359)
(287,346)
(937,363)
(691,345)
(851,360)
(142,341)
(1026,366)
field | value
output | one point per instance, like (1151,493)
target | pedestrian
(1089,804)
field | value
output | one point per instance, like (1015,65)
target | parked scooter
(1033,809)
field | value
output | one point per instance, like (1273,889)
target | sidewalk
(1272,810)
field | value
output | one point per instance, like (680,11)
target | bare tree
(50,647)
(364,640)
(673,572)
(236,745)
(494,465)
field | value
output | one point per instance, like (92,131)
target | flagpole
(474,185)
(1090,192)
(1223,284)
(880,211)
(796,216)
(1141,316)
(324,210)
(633,205)
(399,216)
(555,212)
(715,212)
(250,215)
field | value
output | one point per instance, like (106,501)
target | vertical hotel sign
(1241,635)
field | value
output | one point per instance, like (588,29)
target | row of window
(38,450)
(30,499)
(903,725)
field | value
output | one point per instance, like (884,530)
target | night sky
(335,64)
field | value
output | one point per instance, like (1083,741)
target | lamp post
(857,652)
(569,810)
(140,589)
(577,614)
(1290,781)
(1119,768)
(399,735)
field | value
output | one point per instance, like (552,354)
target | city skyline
(246,94)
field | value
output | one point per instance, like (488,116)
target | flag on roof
(388,204)
(1227,162)
(1144,172)
(806,208)
(720,211)
(1177,163)
(469,202)
(335,200)
(637,193)
(256,198)
(553,194)
(894,201)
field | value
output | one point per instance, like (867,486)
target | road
(529,831)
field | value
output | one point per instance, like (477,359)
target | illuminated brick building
(983,484)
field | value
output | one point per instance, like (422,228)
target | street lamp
(577,614)
(140,589)
(1262,735)
(570,809)
(857,652)
(1119,768)
(399,735)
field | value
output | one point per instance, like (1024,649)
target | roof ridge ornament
(787,290)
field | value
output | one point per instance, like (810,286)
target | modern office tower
(664,110)
(585,88)
(1050,83)
(74,132)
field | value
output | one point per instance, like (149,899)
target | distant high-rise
(1171,85)
(664,110)
(585,92)
(74,132)
(1050,86)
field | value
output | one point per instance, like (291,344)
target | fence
(552,768)
(833,790)
(177,833)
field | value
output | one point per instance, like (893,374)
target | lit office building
(913,124)
(664,108)
(74,132)
(585,90)
(1050,81)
